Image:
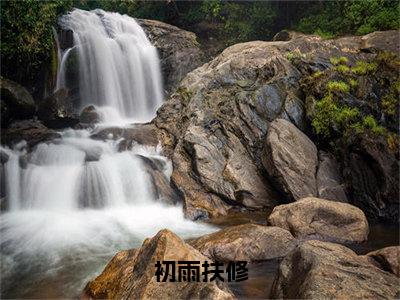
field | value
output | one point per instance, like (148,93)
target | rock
(214,126)
(249,242)
(291,159)
(286,35)
(16,102)
(380,40)
(89,115)
(161,185)
(33,132)
(143,134)
(372,172)
(131,274)
(314,218)
(388,258)
(321,270)
(329,180)
(57,110)
(178,49)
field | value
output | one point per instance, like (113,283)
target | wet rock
(290,158)
(329,181)
(33,132)
(143,134)
(57,110)
(89,115)
(314,218)
(3,156)
(16,102)
(162,187)
(372,172)
(178,49)
(321,270)
(388,259)
(131,274)
(249,242)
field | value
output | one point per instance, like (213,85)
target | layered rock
(131,274)
(16,102)
(178,49)
(388,259)
(249,242)
(291,160)
(214,126)
(321,270)
(314,218)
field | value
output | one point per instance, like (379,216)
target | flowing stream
(72,203)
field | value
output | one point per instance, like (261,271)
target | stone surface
(89,115)
(131,274)
(314,218)
(215,124)
(321,270)
(33,132)
(388,258)
(16,102)
(178,49)
(57,110)
(291,160)
(249,242)
(329,180)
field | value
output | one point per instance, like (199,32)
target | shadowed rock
(388,258)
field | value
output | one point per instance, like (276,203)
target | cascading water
(118,66)
(73,202)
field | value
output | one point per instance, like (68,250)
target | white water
(118,66)
(72,203)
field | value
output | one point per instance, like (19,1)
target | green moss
(353,83)
(185,94)
(342,60)
(396,86)
(363,67)
(342,69)
(329,115)
(338,86)
(390,104)
(317,74)
(290,56)
(369,122)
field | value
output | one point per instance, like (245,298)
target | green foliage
(353,83)
(390,104)
(369,123)
(338,86)
(342,60)
(342,69)
(330,115)
(333,18)
(363,67)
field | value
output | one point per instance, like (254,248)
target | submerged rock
(291,160)
(314,218)
(388,259)
(16,102)
(131,274)
(249,242)
(321,270)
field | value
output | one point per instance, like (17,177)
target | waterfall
(71,203)
(118,66)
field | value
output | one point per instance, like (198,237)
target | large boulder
(16,102)
(291,160)
(321,219)
(214,126)
(131,274)
(249,242)
(178,49)
(321,270)
(388,258)
(89,115)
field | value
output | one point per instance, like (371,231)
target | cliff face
(215,125)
